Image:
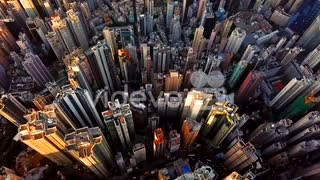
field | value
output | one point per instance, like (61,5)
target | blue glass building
(306,13)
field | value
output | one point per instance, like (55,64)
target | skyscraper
(237,73)
(170,9)
(78,106)
(55,44)
(36,69)
(139,151)
(78,29)
(190,130)
(12,110)
(313,58)
(110,37)
(100,58)
(174,141)
(6,37)
(208,19)
(304,15)
(92,149)
(30,8)
(309,38)
(291,55)
(79,71)
(195,104)
(159,143)
(173,81)
(198,35)
(44,133)
(235,40)
(60,26)
(175,29)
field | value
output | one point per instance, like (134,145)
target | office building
(174,141)
(36,69)
(235,40)
(92,149)
(190,130)
(159,143)
(78,29)
(77,105)
(64,33)
(110,37)
(173,81)
(139,152)
(29,8)
(4,82)
(44,133)
(100,59)
(6,173)
(234,176)
(12,110)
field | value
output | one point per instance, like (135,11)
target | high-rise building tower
(55,44)
(12,110)
(92,149)
(304,16)
(110,37)
(190,130)
(61,28)
(174,141)
(44,133)
(237,73)
(159,143)
(36,69)
(78,106)
(290,92)
(170,9)
(100,59)
(310,38)
(248,88)
(78,29)
(173,81)
(235,40)
(313,58)
(291,55)
(175,29)
(195,105)
(79,71)
(208,19)
(30,8)
(6,37)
